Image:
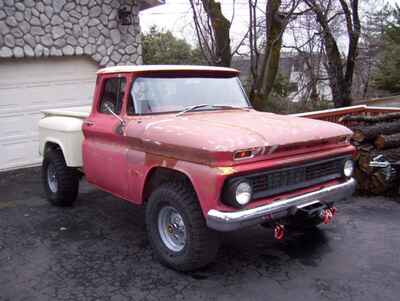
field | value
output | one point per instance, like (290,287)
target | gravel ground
(98,250)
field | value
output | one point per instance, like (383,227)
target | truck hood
(215,136)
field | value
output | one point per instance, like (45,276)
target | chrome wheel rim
(52,178)
(171,229)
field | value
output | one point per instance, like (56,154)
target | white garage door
(30,85)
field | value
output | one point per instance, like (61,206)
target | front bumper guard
(229,221)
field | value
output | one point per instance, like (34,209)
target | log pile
(373,136)
(387,141)
(370,132)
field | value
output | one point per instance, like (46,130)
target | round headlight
(348,168)
(243,193)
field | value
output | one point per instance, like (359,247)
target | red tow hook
(333,210)
(328,215)
(279,232)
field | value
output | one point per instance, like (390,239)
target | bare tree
(213,32)
(265,40)
(268,22)
(306,46)
(370,47)
(340,68)
(265,33)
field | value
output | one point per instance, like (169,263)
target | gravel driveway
(98,250)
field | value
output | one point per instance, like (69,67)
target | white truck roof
(144,68)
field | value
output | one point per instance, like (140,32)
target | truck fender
(183,171)
(67,133)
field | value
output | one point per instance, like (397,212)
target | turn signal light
(243,154)
(344,139)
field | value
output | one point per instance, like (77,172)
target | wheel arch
(72,159)
(160,174)
(52,144)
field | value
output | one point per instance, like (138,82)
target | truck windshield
(162,94)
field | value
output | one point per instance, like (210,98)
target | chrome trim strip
(308,204)
(229,221)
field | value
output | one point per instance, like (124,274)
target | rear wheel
(177,230)
(60,182)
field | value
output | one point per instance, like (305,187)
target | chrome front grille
(272,182)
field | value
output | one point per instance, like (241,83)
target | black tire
(201,243)
(67,179)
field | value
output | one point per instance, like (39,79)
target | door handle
(89,123)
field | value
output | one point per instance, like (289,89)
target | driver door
(104,147)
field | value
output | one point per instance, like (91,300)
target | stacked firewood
(375,136)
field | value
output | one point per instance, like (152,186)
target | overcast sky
(176,16)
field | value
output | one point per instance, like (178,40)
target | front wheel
(177,230)
(60,182)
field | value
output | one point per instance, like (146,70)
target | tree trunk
(269,68)
(339,88)
(221,27)
(340,75)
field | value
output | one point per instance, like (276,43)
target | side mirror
(115,115)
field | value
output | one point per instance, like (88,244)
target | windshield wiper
(193,108)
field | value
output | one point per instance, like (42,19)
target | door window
(112,95)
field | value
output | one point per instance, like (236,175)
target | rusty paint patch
(157,160)
(226,171)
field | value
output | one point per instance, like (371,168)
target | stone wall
(30,28)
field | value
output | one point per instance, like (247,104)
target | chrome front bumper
(228,221)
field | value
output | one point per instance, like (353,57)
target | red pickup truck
(185,142)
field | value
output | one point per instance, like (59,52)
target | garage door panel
(69,91)
(14,100)
(32,85)
(61,68)
(19,153)
(19,126)
(34,100)
(7,105)
(7,109)
(33,125)
(14,127)
(41,96)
